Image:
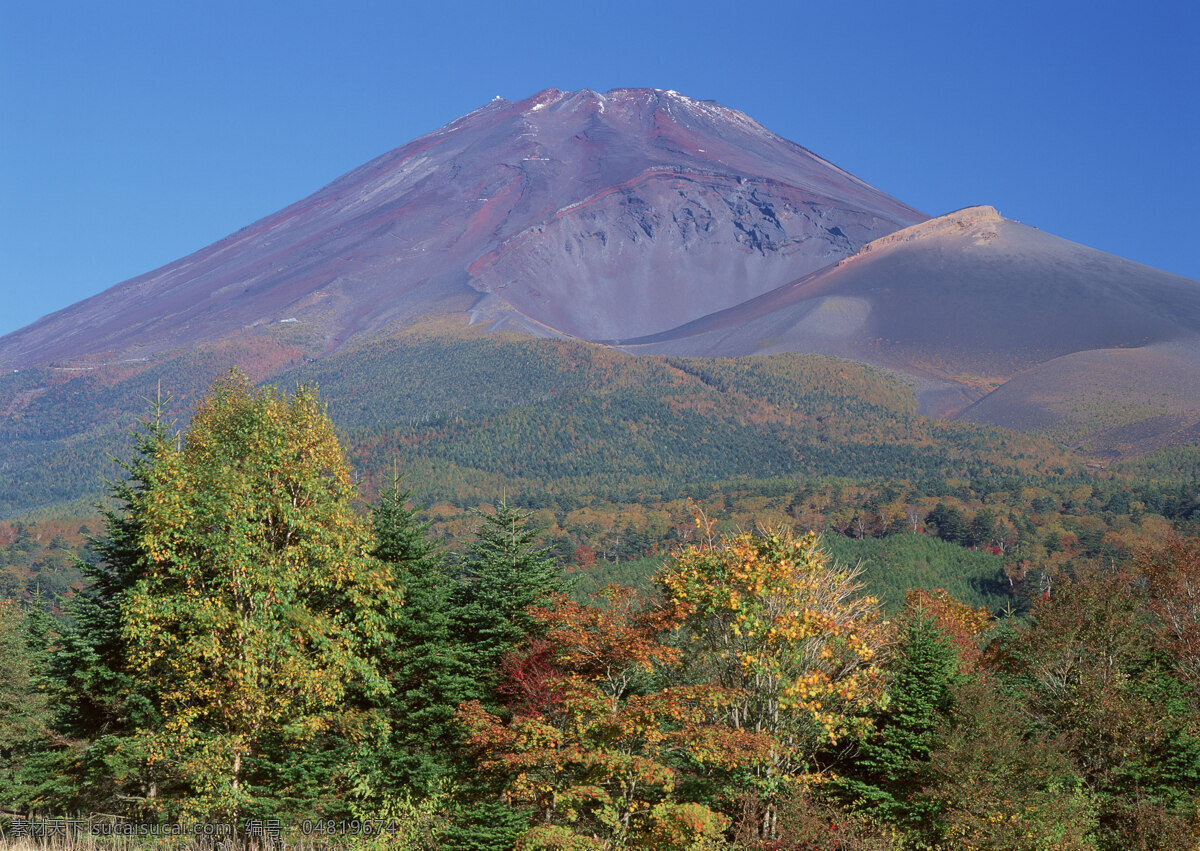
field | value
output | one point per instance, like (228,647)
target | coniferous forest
(252,639)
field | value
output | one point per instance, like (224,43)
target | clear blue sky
(132,133)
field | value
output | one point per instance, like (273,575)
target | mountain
(603,228)
(568,213)
(973,304)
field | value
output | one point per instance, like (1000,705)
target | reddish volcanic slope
(600,216)
(962,303)
(646,219)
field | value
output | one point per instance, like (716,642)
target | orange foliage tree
(593,751)
(962,624)
(774,621)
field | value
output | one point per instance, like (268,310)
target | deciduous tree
(1091,675)
(589,755)
(257,601)
(772,619)
(1172,576)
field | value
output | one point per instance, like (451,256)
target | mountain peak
(677,225)
(966,218)
(595,215)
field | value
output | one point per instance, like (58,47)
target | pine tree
(505,572)
(424,664)
(888,771)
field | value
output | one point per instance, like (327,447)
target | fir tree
(505,572)
(426,668)
(24,709)
(400,538)
(888,771)
(99,703)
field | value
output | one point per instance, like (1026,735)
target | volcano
(568,213)
(647,220)
(963,304)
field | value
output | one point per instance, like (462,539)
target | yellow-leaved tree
(772,618)
(258,606)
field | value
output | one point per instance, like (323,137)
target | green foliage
(401,539)
(630,573)
(426,667)
(949,524)
(25,715)
(415,823)
(205,667)
(505,572)
(772,619)
(893,565)
(992,782)
(487,826)
(65,424)
(240,649)
(885,774)
(257,603)
(1088,673)
(464,412)
(102,703)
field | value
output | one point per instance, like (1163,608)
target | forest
(468,416)
(249,635)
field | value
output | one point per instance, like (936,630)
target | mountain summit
(645,219)
(602,216)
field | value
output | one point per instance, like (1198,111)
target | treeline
(1005,532)
(465,413)
(250,650)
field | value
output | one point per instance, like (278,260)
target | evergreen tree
(505,572)
(232,603)
(24,709)
(426,668)
(400,538)
(99,703)
(489,826)
(982,528)
(890,764)
(995,783)
(950,524)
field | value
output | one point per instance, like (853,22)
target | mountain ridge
(646,219)
(394,239)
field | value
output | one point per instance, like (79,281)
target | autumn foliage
(250,647)
(779,624)
(257,603)
(591,744)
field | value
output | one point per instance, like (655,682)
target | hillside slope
(469,415)
(967,302)
(565,213)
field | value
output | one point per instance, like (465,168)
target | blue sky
(132,133)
